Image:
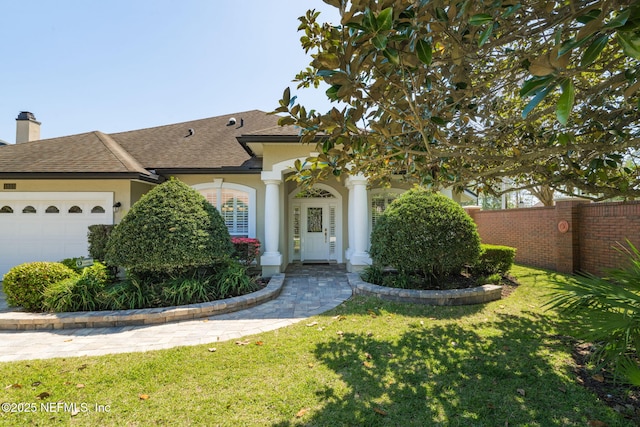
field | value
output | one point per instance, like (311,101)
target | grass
(365,363)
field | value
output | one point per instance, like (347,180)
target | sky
(122,65)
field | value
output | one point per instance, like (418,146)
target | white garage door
(49,226)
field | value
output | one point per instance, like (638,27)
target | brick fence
(574,235)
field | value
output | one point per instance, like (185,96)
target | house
(52,190)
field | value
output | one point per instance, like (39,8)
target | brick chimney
(27,127)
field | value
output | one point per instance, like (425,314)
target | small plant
(494,259)
(232,279)
(373,274)
(245,249)
(606,311)
(83,292)
(182,291)
(491,279)
(129,294)
(25,284)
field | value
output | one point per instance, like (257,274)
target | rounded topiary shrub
(25,284)
(170,229)
(424,233)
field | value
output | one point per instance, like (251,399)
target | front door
(315,230)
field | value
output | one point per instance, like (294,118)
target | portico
(314,225)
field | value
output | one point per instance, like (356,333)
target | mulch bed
(621,397)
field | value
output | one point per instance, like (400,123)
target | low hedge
(25,284)
(495,259)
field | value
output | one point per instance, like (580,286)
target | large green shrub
(494,259)
(83,292)
(170,229)
(425,233)
(24,284)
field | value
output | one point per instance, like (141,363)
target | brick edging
(477,295)
(17,320)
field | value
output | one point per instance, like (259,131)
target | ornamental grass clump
(425,234)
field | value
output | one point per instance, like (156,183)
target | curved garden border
(16,320)
(477,295)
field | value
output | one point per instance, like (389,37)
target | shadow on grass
(499,372)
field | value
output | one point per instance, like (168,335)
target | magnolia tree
(467,93)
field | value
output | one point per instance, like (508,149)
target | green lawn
(365,363)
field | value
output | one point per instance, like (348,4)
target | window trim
(219,185)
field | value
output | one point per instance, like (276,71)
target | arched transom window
(236,204)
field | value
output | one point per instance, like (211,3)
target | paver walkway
(307,291)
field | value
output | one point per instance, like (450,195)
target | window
(97,210)
(29,210)
(6,209)
(380,201)
(314,192)
(52,209)
(235,212)
(235,202)
(75,209)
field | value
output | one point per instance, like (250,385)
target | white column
(358,215)
(271,259)
(350,222)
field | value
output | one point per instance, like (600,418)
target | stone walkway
(307,291)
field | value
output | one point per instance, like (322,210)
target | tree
(466,93)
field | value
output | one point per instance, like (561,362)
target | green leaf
(630,43)
(424,51)
(438,121)
(332,92)
(594,49)
(392,55)
(533,85)
(619,20)
(536,100)
(480,19)
(441,15)
(285,121)
(611,163)
(385,19)
(510,10)
(484,36)
(565,102)
(564,139)
(380,41)
(589,16)
(572,44)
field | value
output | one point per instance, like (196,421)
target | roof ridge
(121,154)
(191,121)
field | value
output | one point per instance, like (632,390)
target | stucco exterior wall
(275,153)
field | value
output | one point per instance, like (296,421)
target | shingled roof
(198,146)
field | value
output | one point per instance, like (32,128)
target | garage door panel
(44,236)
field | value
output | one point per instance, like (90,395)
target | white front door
(315,232)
